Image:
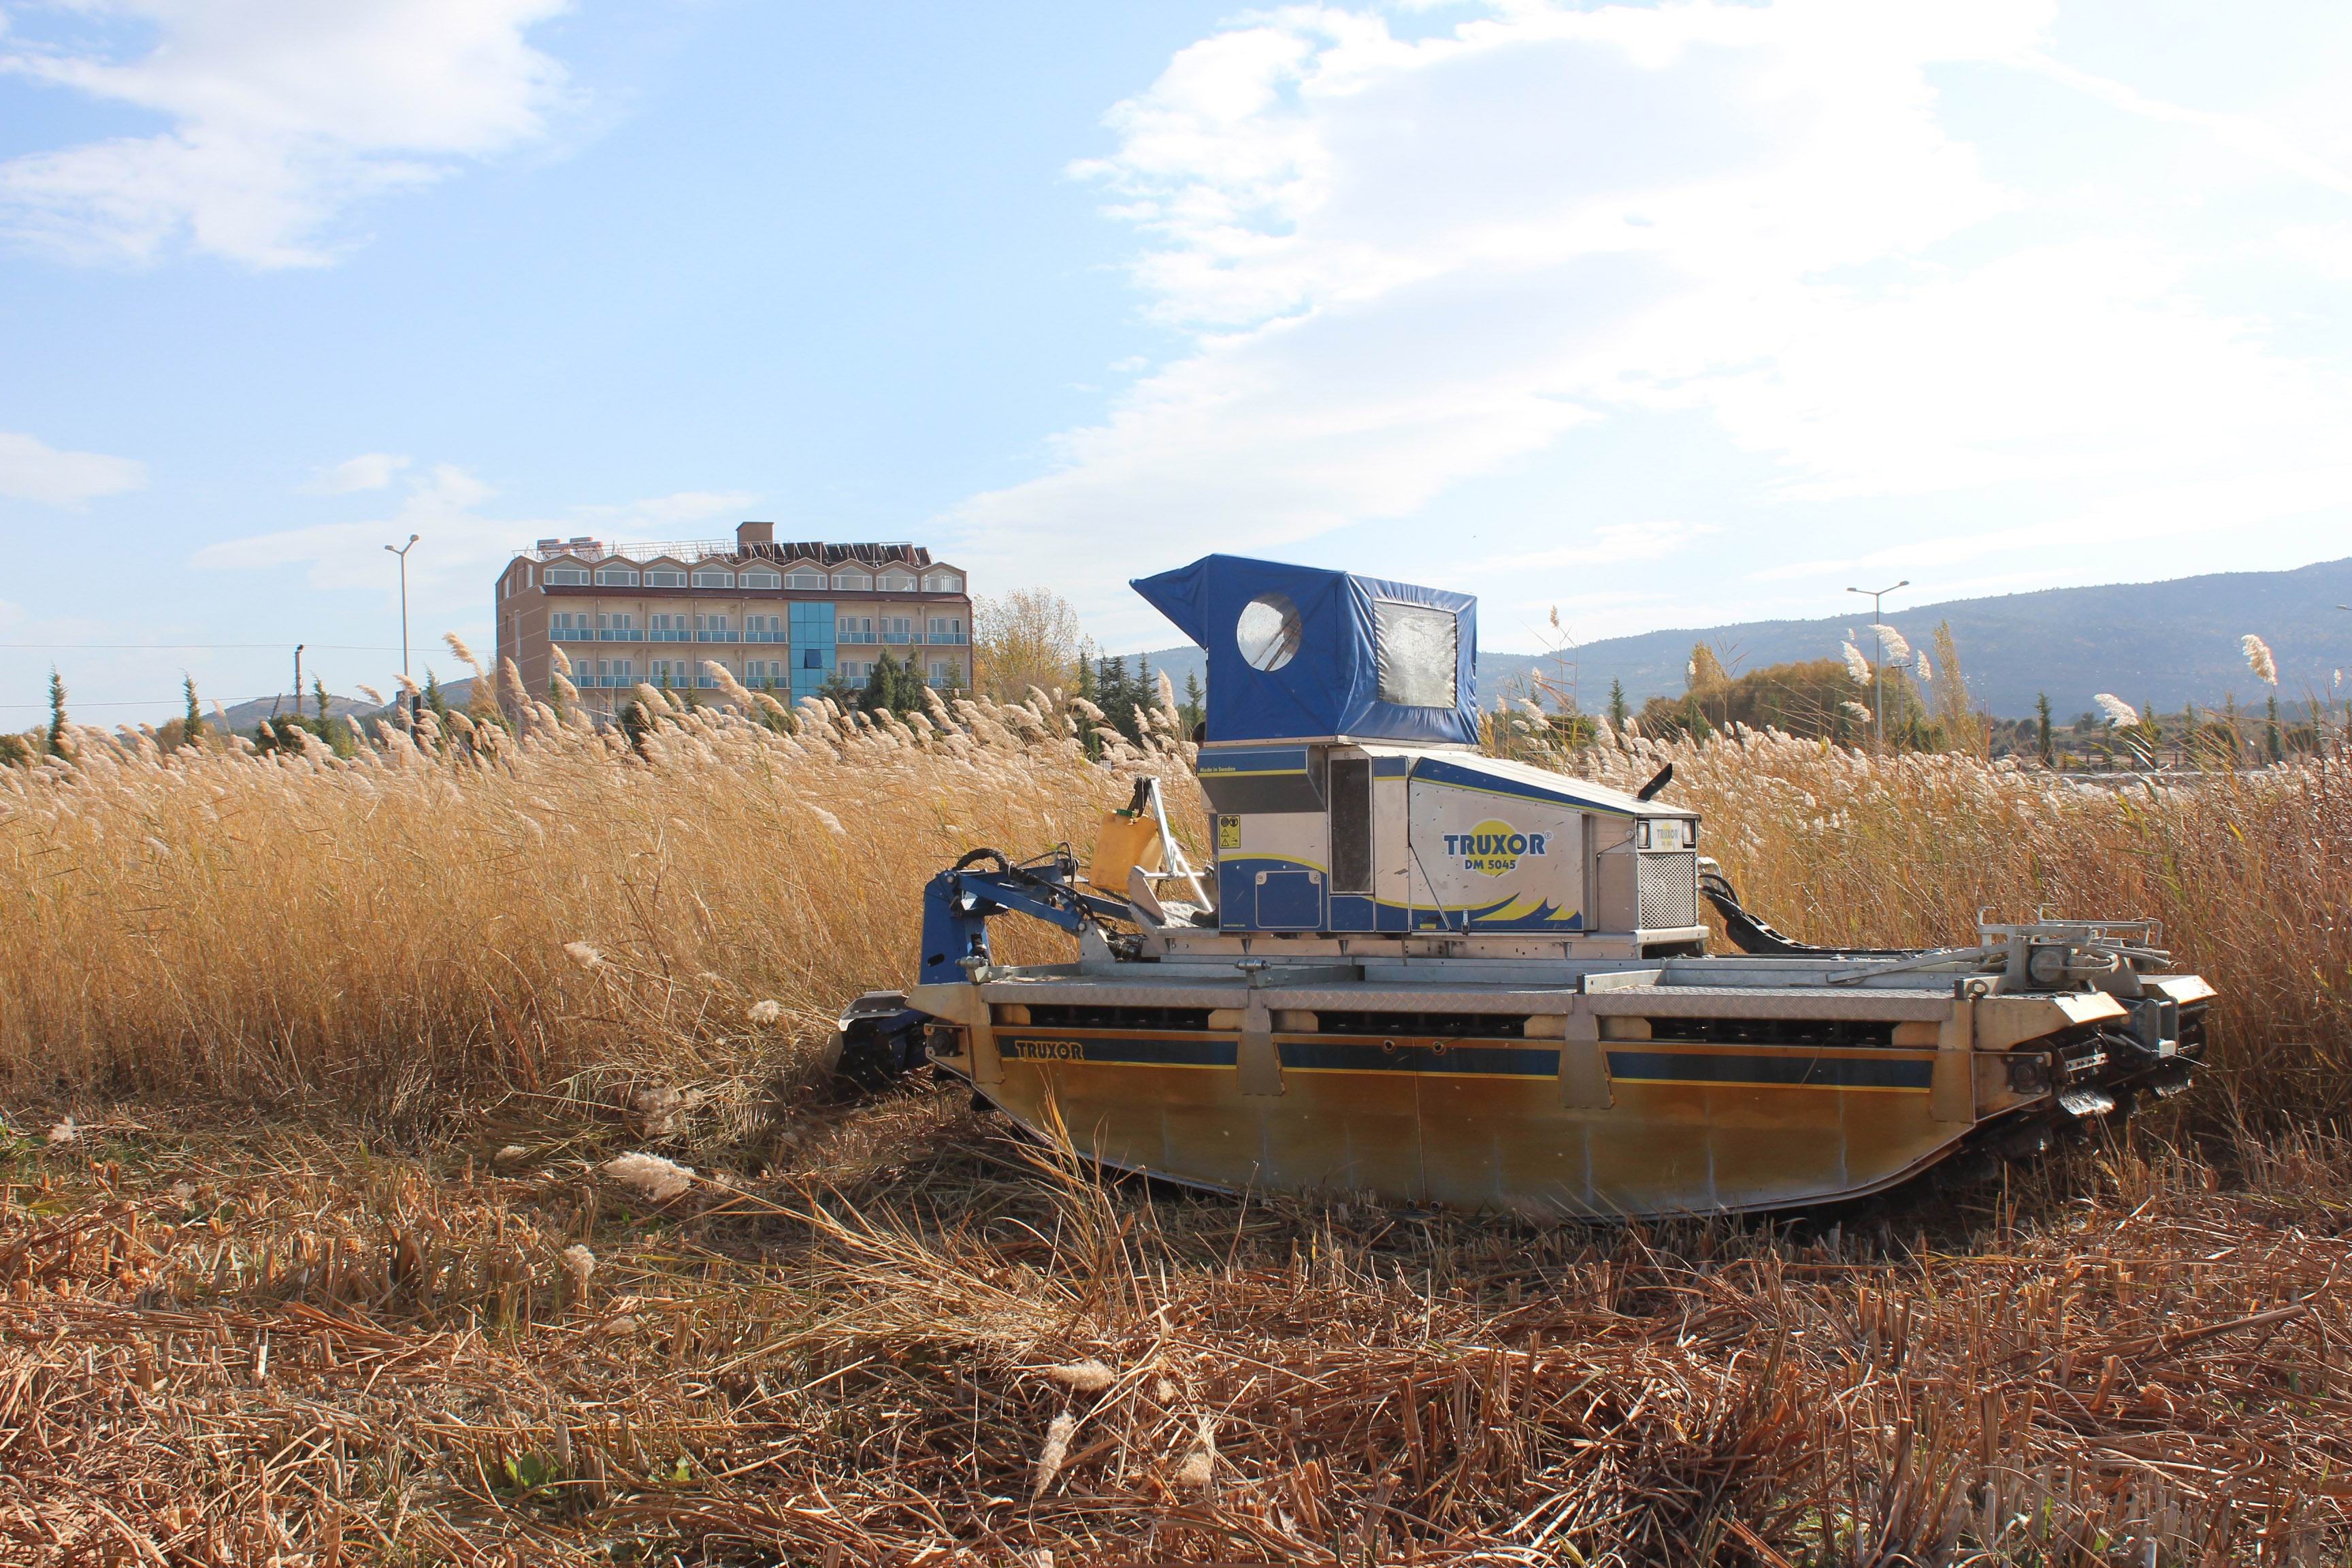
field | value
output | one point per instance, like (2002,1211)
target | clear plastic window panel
(1418,649)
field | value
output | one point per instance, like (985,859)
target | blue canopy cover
(1298,653)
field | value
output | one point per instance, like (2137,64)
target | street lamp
(402,551)
(1878,683)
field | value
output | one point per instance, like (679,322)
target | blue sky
(1659,315)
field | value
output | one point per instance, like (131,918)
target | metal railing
(947,639)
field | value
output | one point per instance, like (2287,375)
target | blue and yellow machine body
(1422,973)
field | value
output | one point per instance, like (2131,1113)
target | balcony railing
(619,633)
(766,636)
(856,637)
(660,635)
(900,638)
(571,634)
(947,639)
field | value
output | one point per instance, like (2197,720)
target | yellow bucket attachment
(1128,840)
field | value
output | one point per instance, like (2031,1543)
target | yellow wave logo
(1494,847)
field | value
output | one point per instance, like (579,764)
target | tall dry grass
(475,917)
(455,917)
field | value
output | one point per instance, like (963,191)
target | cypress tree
(57,734)
(2041,730)
(1194,711)
(1618,711)
(191,724)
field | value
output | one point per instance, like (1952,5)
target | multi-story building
(789,618)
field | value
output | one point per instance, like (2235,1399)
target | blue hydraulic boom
(881,1037)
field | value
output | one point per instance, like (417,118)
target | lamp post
(403,552)
(1878,640)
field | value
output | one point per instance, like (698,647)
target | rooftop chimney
(749,534)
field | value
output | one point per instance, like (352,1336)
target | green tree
(1618,711)
(1116,695)
(895,684)
(192,723)
(2271,740)
(56,733)
(436,700)
(634,720)
(319,701)
(2043,741)
(1195,710)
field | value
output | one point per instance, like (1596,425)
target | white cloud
(1405,264)
(459,548)
(280,116)
(368,471)
(31,469)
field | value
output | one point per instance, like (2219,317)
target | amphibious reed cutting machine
(1442,977)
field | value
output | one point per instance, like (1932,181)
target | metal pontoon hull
(1674,1098)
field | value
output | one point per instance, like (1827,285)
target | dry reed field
(312,1250)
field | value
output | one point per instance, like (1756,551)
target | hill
(244,716)
(2164,643)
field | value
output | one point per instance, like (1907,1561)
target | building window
(849,577)
(898,628)
(710,628)
(811,658)
(946,629)
(759,578)
(854,629)
(671,628)
(942,672)
(943,583)
(896,582)
(665,577)
(804,577)
(764,628)
(713,577)
(567,576)
(616,576)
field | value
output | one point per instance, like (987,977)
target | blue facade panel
(813,649)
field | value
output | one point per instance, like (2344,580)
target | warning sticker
(1229,833)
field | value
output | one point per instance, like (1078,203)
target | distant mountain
(244,716)
(2162,643)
